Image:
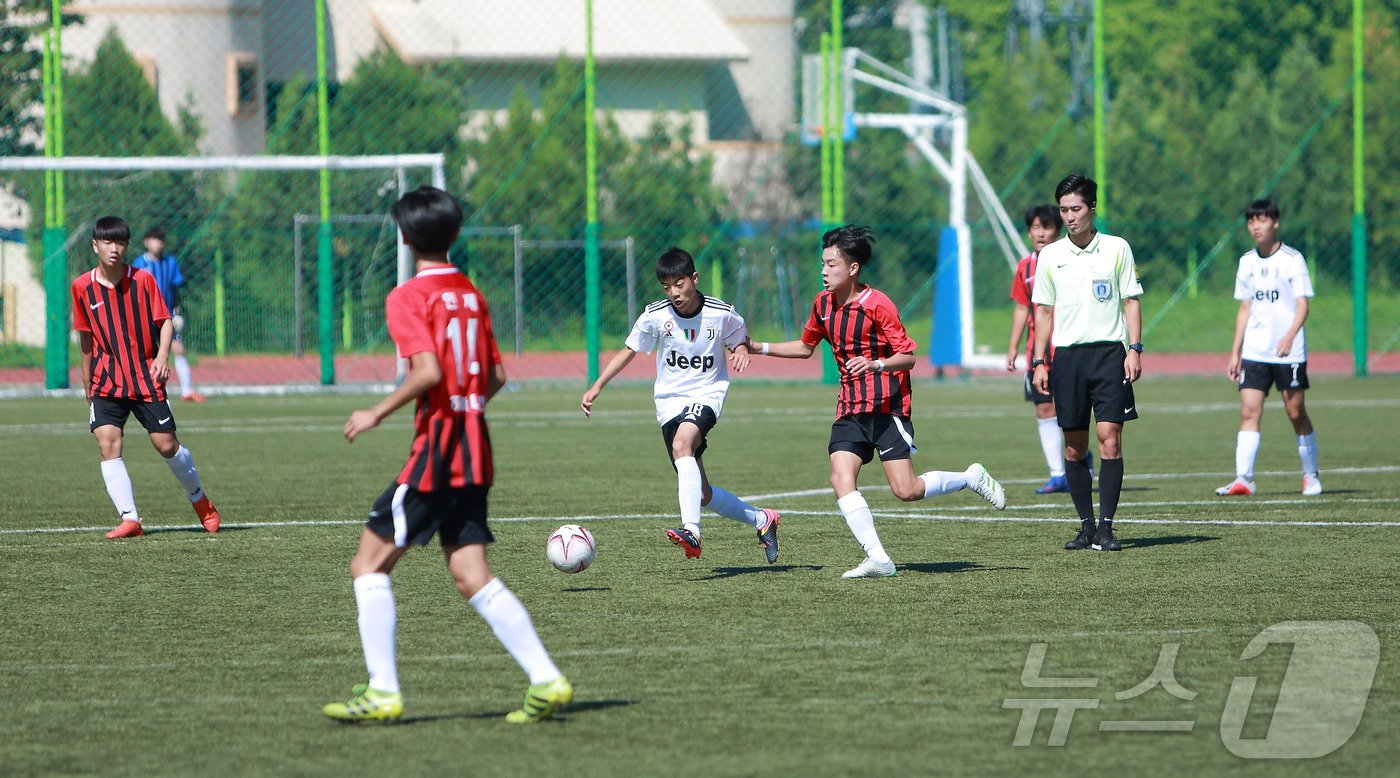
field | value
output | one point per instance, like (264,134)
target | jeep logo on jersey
(1270,295)
(684,362)
(1103,289)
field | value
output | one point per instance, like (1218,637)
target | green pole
(325,260)
(593,275)
(1191,267)
(1360,339)
(49,202)
(838,109)
(826,115)
(835,127)
(717,276)
(57,64)
(1100,88)
(220,323)
(55,265)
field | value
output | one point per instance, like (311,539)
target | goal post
(157,187)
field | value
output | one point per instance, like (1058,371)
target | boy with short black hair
(439,322)
(874,355)
(690,333)
(166,270)
(1270,348)
(124,334)
(1043,225)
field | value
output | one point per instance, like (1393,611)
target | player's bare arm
(619,361)
(858,366)
(1241,322)
(789,349)
(1300,315)
(1132,363)
(160,364)
(739,358)
(497,381)
(1019,318)
(1043,321)
(424,373)
(85,347)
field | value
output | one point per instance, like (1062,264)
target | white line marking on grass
(1219,501)
(1116,522)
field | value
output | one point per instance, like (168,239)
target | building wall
(763,88)
(21,297)
(185,46)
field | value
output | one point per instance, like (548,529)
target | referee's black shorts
(1090,376)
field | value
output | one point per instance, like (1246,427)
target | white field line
(574,417)
(889,514)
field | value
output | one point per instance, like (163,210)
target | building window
(242,84)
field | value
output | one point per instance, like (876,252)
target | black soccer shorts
(702,416)
(154,416)
(1290,376)
(1032,394)
(410,517)
(1090,377)
(867,434)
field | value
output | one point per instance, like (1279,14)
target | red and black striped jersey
(867,326)
(125,324)
(440,311)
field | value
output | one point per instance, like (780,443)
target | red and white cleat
(127,529)
(208,516)
(1238,488)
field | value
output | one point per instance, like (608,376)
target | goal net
(275,297)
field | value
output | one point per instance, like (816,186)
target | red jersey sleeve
(892,329)
(408,323)
(151,291)
(815,331)
(1019,291)
(80,309)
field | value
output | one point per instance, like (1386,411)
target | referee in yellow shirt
(1086,285)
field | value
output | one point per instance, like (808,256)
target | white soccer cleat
(871,569)
(982,482)
(1312,485)
(1239,488)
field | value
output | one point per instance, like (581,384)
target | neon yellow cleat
(367,705)
(542,700)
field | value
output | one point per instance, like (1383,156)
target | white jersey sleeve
(736,332)
(644,334)
(1300,280)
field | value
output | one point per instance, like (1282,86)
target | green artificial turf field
(182,653)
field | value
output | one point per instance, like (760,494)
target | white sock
(119,488)
(1246,447)
(730,507)
(182,465)
(688,492)
(862,524)
(938,482)
(1052,443)
(378,622)
(182,370)
(511,623)
(1307,451)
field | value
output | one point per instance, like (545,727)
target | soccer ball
(570,549)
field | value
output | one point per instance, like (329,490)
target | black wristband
(1037,362)
(1135,347)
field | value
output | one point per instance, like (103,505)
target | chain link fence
(698,143)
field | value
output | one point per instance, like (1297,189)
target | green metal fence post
(220,323)
(55,265)
(593,286)
(1360,344)
(325,260)
(835,126)
(1100,89)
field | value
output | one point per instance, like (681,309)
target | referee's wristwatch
(1135,347)
(1037,362)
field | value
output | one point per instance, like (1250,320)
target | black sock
(1110,486)
(1081,488)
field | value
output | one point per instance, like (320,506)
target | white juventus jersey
(1273,285)
(690,353)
